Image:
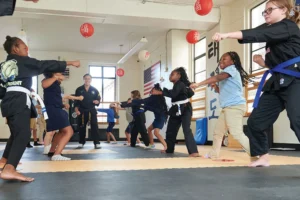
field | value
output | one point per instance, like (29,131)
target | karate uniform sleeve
(124,104)
(7,7)
(266,33)
(98,97)
(177,88)
(137,102)
(77,94)
(37,67)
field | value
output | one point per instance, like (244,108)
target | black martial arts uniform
(88,112)
(7,7)
(280,91)
(16,105)
(180,113)
(138,122)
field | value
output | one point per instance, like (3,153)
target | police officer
(86,111)
(7,7)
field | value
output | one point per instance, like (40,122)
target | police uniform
(281,91)
(88,112)
(16,105)
(180,113)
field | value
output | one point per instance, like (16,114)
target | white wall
(130,81)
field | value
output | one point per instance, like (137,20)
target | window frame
(103,78)
(251,49)
(199,57)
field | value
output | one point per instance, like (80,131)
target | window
(256,48)
(104,79)
(35,84)
(198,100)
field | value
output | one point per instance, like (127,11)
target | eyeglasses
(268,11)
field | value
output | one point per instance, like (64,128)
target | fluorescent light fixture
(132,51)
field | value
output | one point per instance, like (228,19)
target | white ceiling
(61,34)
(217,3)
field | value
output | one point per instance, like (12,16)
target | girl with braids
(180,112)
(17,72)
(282,90)
(231,81)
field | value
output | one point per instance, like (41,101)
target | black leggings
(20,133)
(139,127)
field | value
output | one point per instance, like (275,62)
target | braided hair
(183,76)
(238,65)
(10,43)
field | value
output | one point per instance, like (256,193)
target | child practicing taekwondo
(231,81)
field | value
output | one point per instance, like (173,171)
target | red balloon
(87,30)
(203,7)
(193,37)
(120,72)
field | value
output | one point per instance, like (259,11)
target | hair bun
(8,37)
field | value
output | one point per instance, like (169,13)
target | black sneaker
(37,144)
(29,145)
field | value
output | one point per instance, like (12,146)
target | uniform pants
(83,118)
(20,133)
(139,127)
(270,105)
(173,127)
(230,119)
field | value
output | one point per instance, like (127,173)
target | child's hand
(194,85)
(259,60)
(129,101)
(80,98)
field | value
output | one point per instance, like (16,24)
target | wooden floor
(161,162)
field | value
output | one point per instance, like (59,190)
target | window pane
(200,47)
(200,77)
(109,72)
(97,83)
(34,84)
(254,65)
(256,46)
(256,15)
(95,71)
(200,64)
(109,90)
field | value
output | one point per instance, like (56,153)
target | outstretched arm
(211,80)
(70,97)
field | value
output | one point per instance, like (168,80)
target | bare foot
(9,173)
(163,151)
(224,160)
(263,161)
(194,155)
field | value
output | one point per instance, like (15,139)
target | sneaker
(59,158)
(152,146)
(97,146)
(138,144)
(29,145)
(80,146)
(47,149)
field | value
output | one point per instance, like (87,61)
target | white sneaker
(97,146)
(47,149)
(80,146)
(59,158)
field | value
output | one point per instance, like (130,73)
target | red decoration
(193,37)
(120,72)
(203,7)
(87,30)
